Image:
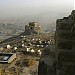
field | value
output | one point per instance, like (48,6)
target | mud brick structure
(65,45)
(32,28)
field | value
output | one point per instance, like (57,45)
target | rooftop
(4,57)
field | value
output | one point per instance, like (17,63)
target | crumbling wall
(65,45)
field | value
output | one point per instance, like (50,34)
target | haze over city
(45,12)
(37,37)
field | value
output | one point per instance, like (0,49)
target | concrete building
(7,57)
(32,28)
(65,45)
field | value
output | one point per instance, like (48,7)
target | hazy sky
(41,10)
(19,8)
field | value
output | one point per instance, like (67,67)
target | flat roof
(4,57)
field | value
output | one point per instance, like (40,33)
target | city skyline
(43,11)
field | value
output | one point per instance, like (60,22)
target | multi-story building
(32,28)
(65,45)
